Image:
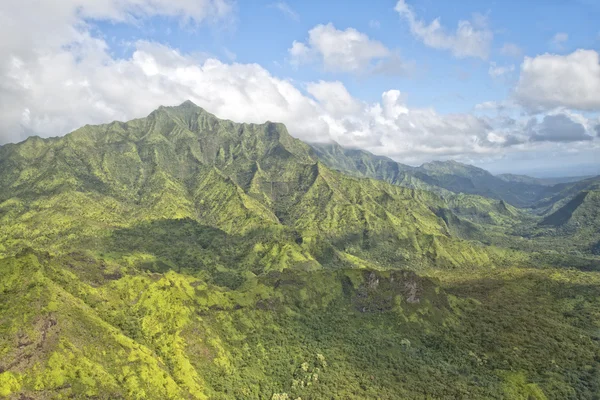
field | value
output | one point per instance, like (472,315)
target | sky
(510,86)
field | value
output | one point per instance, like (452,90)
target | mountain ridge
(443,177)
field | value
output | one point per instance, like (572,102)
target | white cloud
(497,71)
(300,53)
(71,79)
(72,86)
(511,50)
(334,98)
(559,40)
(471,39)
(487,105)
(286,10)
(549,80)
(345,51)
(26,24)
(48,57)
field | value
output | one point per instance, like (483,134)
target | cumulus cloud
(557,128)
(72,79)
(48,57)
(81,84)
(345,51)
(334,98)
(471,38)
(549,80)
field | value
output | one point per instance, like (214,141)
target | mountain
(182,163)
(360,162)
(442,177)
(575,211)
(576,218)
(559,194)
(541,181)
(181,256)
(511,211)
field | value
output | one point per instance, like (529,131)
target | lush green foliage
(182,256)
(446,178)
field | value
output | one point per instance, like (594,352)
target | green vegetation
(180,256)
(448,177)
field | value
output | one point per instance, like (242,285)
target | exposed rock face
(378,291)
(411,286)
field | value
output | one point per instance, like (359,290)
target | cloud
(557,128)
(549,80)
(559,40)
(487,105)
(374,24)
(69,86)
(345,51)
(286,10)
(48,57)
(471,39)
(497,106)
(334,98)
(511,50)
(497,71)
(72,79)
(597,129)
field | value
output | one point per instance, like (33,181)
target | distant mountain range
(443,176)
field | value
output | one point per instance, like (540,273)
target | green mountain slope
(541,181)
(182,162)
(442,177)
(180,256)
(489,209)
(560,194)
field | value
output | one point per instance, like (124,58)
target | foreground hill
(183,256)
(76,327)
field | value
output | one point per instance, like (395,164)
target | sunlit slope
(74,326)
(184,163)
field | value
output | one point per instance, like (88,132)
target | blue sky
(507,85)
(262,34)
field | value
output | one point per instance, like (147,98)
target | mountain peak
(188,106)
(188,103)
